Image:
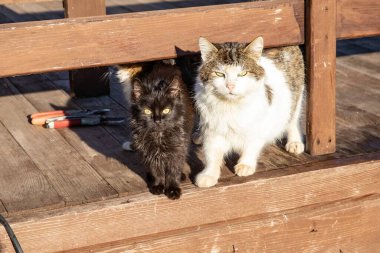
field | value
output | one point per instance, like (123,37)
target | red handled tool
(40,118)
(69,118)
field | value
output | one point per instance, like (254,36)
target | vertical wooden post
(320,63)
(92,81)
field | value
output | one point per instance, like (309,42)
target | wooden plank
(84,8)
(97,146)
(349,79)
(358,18)
(34,47)
(72,177)
(3,211)
(22,185)
(30,12)
(351,225)
(94,81)
(26,1)
(320,61)
(144,214)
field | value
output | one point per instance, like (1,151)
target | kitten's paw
(243,170)
(295,147)
(157,189)
(203,180)
(128,146)
(173,192)
(197,138)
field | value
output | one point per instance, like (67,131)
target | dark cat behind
(161,124)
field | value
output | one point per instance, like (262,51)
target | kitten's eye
(220,74)
(147,111)
(244,73)
(166,111)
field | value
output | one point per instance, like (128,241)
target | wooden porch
(76,190)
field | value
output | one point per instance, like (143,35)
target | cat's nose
(157,120)
(230,86)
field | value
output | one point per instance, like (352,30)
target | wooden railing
(75,43)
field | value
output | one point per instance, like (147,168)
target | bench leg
(92,81)
(320,44)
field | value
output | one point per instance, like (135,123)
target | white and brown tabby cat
(247,98)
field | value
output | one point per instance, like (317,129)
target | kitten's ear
(137,89)
(174,89)
(255,48)
(207,48)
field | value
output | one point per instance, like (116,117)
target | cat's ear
(255,48)
(207,48)
(137,89)
(174,88)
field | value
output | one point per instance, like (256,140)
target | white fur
(127,146)
(124,78)
(242,120)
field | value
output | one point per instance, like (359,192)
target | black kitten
(161,124)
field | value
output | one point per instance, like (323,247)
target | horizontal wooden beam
(358,18)
(143,215)
(42,46)
(351,225)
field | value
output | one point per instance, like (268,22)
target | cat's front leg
(156,180)
(248,160)
(214,148)
(294,143)
(172,183)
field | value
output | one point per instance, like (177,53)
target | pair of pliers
(68,118)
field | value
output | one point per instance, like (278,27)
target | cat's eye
(244,73)
(220,74)
(166,111)
(147,111)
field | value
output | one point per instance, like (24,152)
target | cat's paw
(243,170)
(197,138)
(157,189)
(173,192)
(295,147)
(128,146)
(203,180)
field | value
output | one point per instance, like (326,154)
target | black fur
(161,139)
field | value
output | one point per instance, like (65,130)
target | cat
(246,97)
(161,123)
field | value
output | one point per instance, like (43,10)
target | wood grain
(72,177)
(87,82)
(22,185)
(120,169)
(320,61)
(3,211)
(358,18)
(351,225)
(275,191)
(34,47)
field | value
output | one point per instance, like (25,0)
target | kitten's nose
(157,120)
(230,86)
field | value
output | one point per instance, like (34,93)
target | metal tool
(41,117)
(84,121)
(61,118)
